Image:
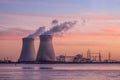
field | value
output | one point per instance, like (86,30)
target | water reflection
(37,73)
(60,72)
(26,73)
(27,67)
(45,75)
(46,67)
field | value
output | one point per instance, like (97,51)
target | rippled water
(60,72)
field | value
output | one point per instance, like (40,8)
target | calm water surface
(60,72)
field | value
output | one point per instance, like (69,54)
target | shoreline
(61,63)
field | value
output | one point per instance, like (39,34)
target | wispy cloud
(111,30)
(80,43)
(29,21)
(13,33)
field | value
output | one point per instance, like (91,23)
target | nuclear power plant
(28,50)
(46,50)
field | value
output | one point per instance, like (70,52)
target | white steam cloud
(56,30)
(38,32)
(60,29)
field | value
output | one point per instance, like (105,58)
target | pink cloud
(91,37)
(79,43)
(13,33)
(96,16)
(113,30)
(29,21)
(34,21)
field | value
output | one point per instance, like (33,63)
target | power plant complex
(46,50)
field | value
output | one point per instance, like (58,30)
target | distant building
(61,58)
(77,58)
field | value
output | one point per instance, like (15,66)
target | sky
(98,27)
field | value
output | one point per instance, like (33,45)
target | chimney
(28,50)
(46,50)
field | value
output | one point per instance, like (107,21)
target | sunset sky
(98,27)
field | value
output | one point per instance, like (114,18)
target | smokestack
(28,50)
(46,50)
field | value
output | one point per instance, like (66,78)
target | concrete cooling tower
(46,51)
(28,50)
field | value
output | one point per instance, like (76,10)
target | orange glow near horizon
(69,44)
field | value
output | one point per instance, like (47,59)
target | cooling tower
(46,51)
(28,50)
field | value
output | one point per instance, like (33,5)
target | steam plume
(38,32)
(60,29)
(55,22)
(83,21)
(56,30)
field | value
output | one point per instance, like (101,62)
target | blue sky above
(59,7)
(30,14)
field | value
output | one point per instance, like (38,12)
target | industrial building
(46,50)
(28,50)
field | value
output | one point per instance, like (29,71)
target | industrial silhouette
(46,50)
(28,50)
